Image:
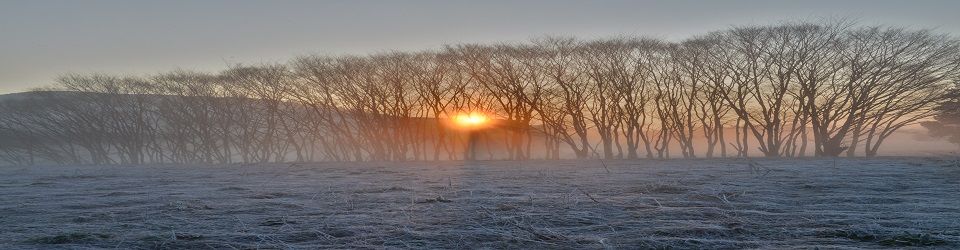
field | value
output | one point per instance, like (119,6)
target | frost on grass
(765,203)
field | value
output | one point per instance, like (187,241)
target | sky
(41,39)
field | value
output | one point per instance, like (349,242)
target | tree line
(785,90)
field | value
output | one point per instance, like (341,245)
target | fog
(791,89)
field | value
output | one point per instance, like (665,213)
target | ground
(706,203)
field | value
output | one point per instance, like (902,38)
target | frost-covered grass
(705,203)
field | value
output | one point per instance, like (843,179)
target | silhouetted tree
(946,123)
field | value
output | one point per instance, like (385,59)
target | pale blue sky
(40,39)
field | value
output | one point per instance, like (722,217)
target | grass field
(706,203)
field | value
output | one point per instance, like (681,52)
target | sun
(470,120)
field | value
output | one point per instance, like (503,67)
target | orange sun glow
(471,120)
